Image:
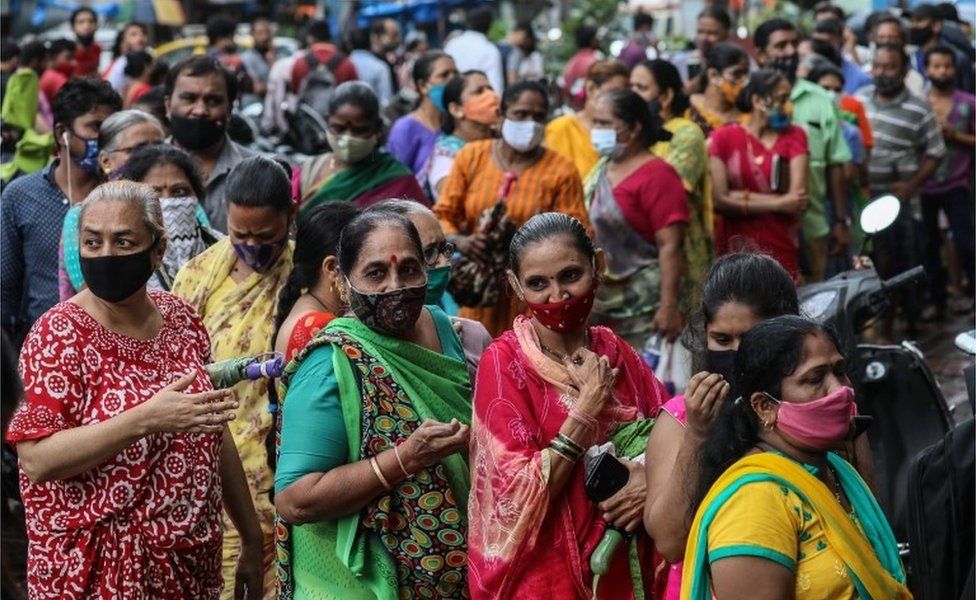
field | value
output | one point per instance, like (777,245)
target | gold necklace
(560,356)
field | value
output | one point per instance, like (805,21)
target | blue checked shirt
(32,210)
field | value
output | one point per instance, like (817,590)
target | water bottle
(652,350)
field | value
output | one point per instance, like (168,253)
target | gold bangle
(379,474)
(396,452)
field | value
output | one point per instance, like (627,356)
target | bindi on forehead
(393,259)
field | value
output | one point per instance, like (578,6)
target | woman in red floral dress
(125,456)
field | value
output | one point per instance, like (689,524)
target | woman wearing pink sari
(546,391)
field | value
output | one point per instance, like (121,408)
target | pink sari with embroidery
(521,544)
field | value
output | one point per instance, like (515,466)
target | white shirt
(375,73)
(473,50)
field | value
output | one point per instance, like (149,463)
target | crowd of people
(462,290)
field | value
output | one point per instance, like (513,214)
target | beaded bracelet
(379,474)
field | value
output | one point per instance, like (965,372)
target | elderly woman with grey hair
(125,454)
(118,137)
(122,134)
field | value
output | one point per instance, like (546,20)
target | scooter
(895,387)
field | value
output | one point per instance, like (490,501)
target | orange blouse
(552,184)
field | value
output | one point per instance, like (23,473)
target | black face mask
(786,65)
(918,37)
(654,106)
(943,84)
(721,362)
(197,134)
(86,40)
(115,278)
(263,48)
(889,87)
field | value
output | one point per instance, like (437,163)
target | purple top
(412,143)
(954,171)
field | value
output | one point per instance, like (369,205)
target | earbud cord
(67,160)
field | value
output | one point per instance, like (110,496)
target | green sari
(377,178)
(409,542)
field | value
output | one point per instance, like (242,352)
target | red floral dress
(146,523)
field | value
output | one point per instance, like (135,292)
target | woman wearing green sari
(372,480)
(356,170)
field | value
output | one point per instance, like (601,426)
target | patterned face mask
(390,313)
(259,256)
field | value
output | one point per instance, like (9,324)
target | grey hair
(402,206)
(112,128)
(814,61)
(130,192)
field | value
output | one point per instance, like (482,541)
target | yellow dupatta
(241,324)
(872,561)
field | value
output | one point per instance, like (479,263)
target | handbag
(476,282)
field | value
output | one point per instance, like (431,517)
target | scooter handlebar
(904,278)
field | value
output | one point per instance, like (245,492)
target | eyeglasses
(434,251)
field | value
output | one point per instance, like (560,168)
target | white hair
(130,192)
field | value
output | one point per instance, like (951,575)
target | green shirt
(814,111)
(313,440)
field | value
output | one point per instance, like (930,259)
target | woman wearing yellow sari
(781,515)
(234,287)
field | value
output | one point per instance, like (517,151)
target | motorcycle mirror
(880,213)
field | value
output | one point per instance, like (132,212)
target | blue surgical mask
(436,95)
(605,142)
(89,162)
(779,119)
(437,280)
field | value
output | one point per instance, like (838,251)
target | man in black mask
(199,95)
(927,32)
(908,148)
(825,232)
(258,59)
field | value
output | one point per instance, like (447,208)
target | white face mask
(605,142)
(350,149)
(523,136)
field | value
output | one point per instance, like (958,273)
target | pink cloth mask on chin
(819,424)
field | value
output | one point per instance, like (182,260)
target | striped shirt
(905,132)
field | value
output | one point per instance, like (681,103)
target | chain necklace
(562,357)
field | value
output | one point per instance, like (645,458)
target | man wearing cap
(926,32)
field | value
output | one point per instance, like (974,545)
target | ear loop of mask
(67,160)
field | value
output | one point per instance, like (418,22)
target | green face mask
(437,280)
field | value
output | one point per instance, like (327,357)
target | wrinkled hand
(625,509)
(472,246)
(593,377)
(703,398)
(172,411)
(840,239)
(432,442)
(249,576)
(669,322)
(948,131)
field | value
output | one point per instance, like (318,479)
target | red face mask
(565,315)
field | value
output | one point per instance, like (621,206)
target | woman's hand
(593,377)
(793,203)
(669,322)
(172,411)
(249,577)
(432,442)
(625,509)
(472,246)
(703,398)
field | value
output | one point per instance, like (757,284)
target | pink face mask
(819,424)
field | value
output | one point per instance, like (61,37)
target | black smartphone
(780,175)
(605,476)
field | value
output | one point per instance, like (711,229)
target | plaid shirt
(32,210)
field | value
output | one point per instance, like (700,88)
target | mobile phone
(694,69)
(605,476)
(778,182)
